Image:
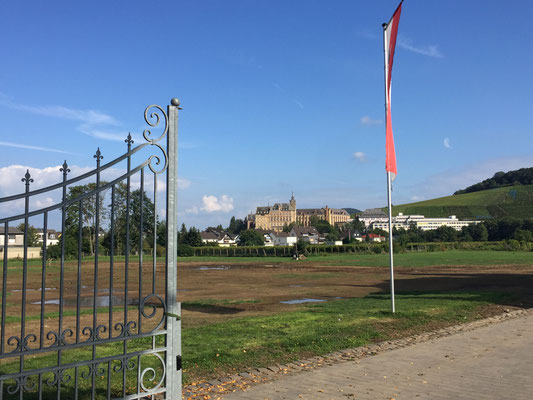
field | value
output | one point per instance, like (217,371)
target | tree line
(522,176)
(491,230)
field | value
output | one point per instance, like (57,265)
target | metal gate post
(173,361)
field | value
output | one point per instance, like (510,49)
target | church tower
(292,203)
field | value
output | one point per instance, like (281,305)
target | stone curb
(215,388)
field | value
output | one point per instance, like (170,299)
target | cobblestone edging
(215,388)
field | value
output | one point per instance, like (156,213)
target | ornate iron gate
(104,325)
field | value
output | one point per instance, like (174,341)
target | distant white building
(308,234)
(283,239)
(52,236)
(221,238)
(372,237)
(372,215)
(419,221)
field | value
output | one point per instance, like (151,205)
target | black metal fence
(96,327)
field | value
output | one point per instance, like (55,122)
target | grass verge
(240,344)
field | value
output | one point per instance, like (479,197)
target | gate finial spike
(129,140)
(64,168)
(98,155)
(27,178)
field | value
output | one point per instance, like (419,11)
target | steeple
(293,202)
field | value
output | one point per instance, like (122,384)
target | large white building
(419,221)
(372,215)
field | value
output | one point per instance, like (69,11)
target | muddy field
(259,289)
(212,292)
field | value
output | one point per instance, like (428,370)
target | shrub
(184,250)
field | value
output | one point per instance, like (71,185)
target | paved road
(492,362)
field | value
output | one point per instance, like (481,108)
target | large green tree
(32,238)
(236,225)
(88,208)
(128,220)
(250,237)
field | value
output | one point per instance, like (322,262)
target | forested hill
(522,176)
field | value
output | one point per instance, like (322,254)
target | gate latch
(178,363)
(178,318)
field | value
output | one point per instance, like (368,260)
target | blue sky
(277,96)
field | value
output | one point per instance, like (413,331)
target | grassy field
(241,320)
(511,201)
(452,257)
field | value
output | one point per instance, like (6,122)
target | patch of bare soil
(213,292)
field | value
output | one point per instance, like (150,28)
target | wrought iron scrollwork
(93,370)
(127,329)
(23,383)
(21,345)
(152,309)
(152,116)
(60,376)
(149,374)
(125,363)
(62,340)
(146,318)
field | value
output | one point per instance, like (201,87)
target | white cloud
(417,198)
(359,156)
(214,204)
(447,143)
(430,51)
(366,120)
(28,147)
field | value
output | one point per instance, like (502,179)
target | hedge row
(357,248)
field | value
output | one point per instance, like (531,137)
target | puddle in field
(218,267)
(300,301)
(88,301)
(33,290)
(53,301)
(296,285)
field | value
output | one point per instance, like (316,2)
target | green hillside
(510,201)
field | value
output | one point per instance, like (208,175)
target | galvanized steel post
(173,362)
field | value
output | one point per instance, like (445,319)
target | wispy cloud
(359,156)
(430,50)
(28,147)
(366,120)
(446,143)
(281,90)
(92,122)
(298,104)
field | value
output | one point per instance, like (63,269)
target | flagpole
(391,257)
(389,184)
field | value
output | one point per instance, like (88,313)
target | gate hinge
(178,363)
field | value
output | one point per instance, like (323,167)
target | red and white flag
(389,38)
